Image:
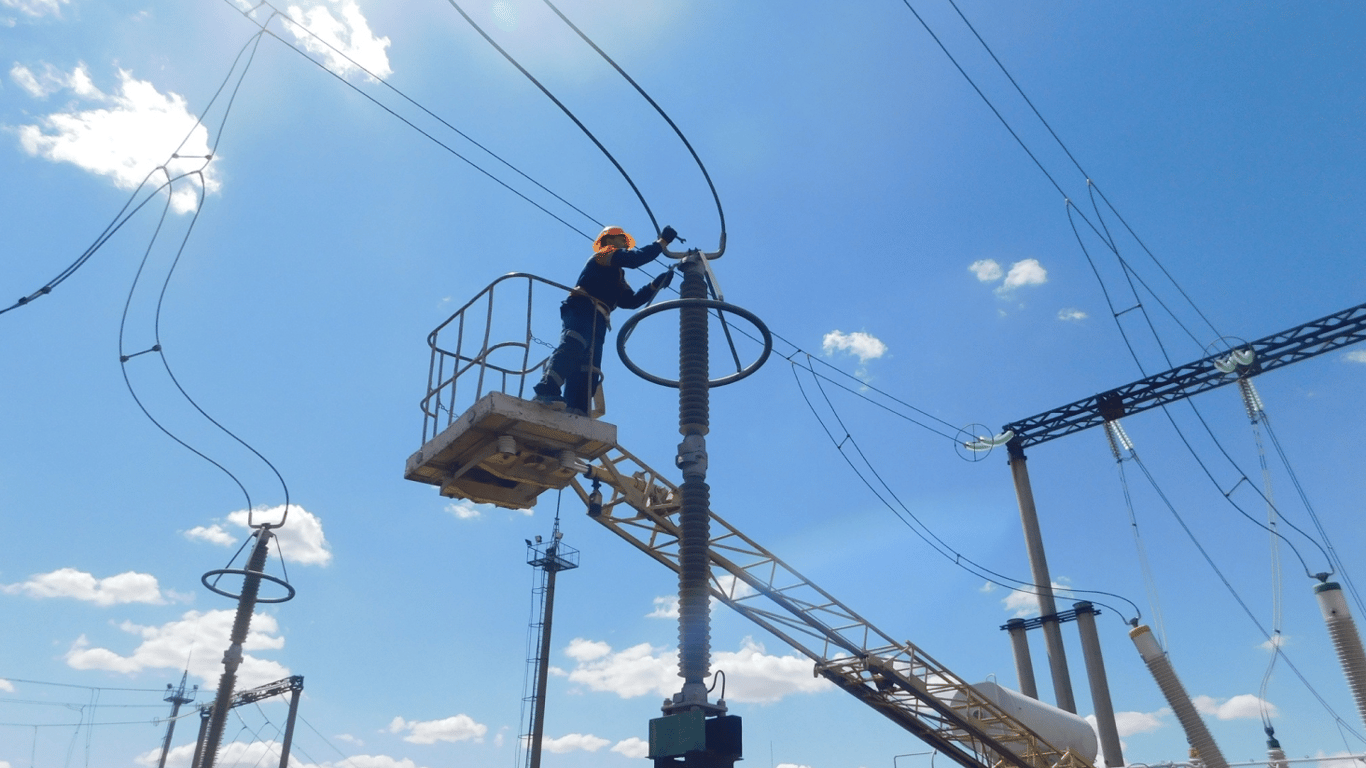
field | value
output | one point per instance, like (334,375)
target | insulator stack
(1275,756)
(232,658)
(694,576)
(1197,734)
(1346,640)
(1251,400)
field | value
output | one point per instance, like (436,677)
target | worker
(601,288)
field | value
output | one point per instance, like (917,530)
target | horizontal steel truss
(895,678)
(1314,338)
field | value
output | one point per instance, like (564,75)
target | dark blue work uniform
(600,289)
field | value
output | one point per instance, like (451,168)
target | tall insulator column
(1197,734)
(1343,630)
(694,575)
(232,658)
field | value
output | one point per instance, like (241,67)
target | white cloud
(574,741)
(792,765)
(6,685)
(987,270)
(457,728)
(1026,272)
(632,747)
(864,346)
(213,534)
(665,608)
(464,510)
(1130,723)
(1072,315)
(1356,356)
(300,540)
(1022,604)
(1244,706)
(239,754)
(128,587)
(199,637)
(752,676)
(1277,640)
(349,739)
(124,136)
(36,8)
(339,38)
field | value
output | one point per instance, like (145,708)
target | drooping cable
(714,196)
(912,522)
(1339,566)
(1209,560)
(418,105)
(1200,417)
(1089,182)
(124,214)
(653,222)
(158,347)
(1119,442)
(1253,404)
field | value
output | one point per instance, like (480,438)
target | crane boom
(896,678)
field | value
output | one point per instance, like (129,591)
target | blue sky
(880,218)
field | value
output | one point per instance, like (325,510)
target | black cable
(715,197)
(1229,586)
(903,512)
(1089,183)
(119,218)
(562,107)
(254,42)
(415,103)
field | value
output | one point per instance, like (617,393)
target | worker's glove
(668,235)
(662,282)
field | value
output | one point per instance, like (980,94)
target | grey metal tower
(549,558)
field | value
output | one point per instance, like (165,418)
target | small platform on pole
(506,451)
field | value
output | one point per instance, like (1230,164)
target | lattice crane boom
(896,678)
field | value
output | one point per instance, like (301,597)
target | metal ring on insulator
(630,324)
(241,572)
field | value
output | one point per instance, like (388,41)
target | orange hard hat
(598,247)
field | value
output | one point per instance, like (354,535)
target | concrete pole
(1043,582)
(199,740)
(543,669)
(1100,685)
(289,727)
(1024,665)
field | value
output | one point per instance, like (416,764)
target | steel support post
(1043,582)
(1100,685)
(1024,665)
(232,658)
(543,669)
(289,726)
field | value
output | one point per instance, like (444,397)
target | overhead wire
(418,105)
(914,523)
(641,197)
(158,347)
(715,196)
(1233,592)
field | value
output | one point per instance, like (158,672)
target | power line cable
(562,107)
(158,347)
(342,54)
(1234,592)
(124,214)
(911,521)
(1090,184)
(715,197)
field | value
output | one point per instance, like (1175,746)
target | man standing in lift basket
(600,289)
